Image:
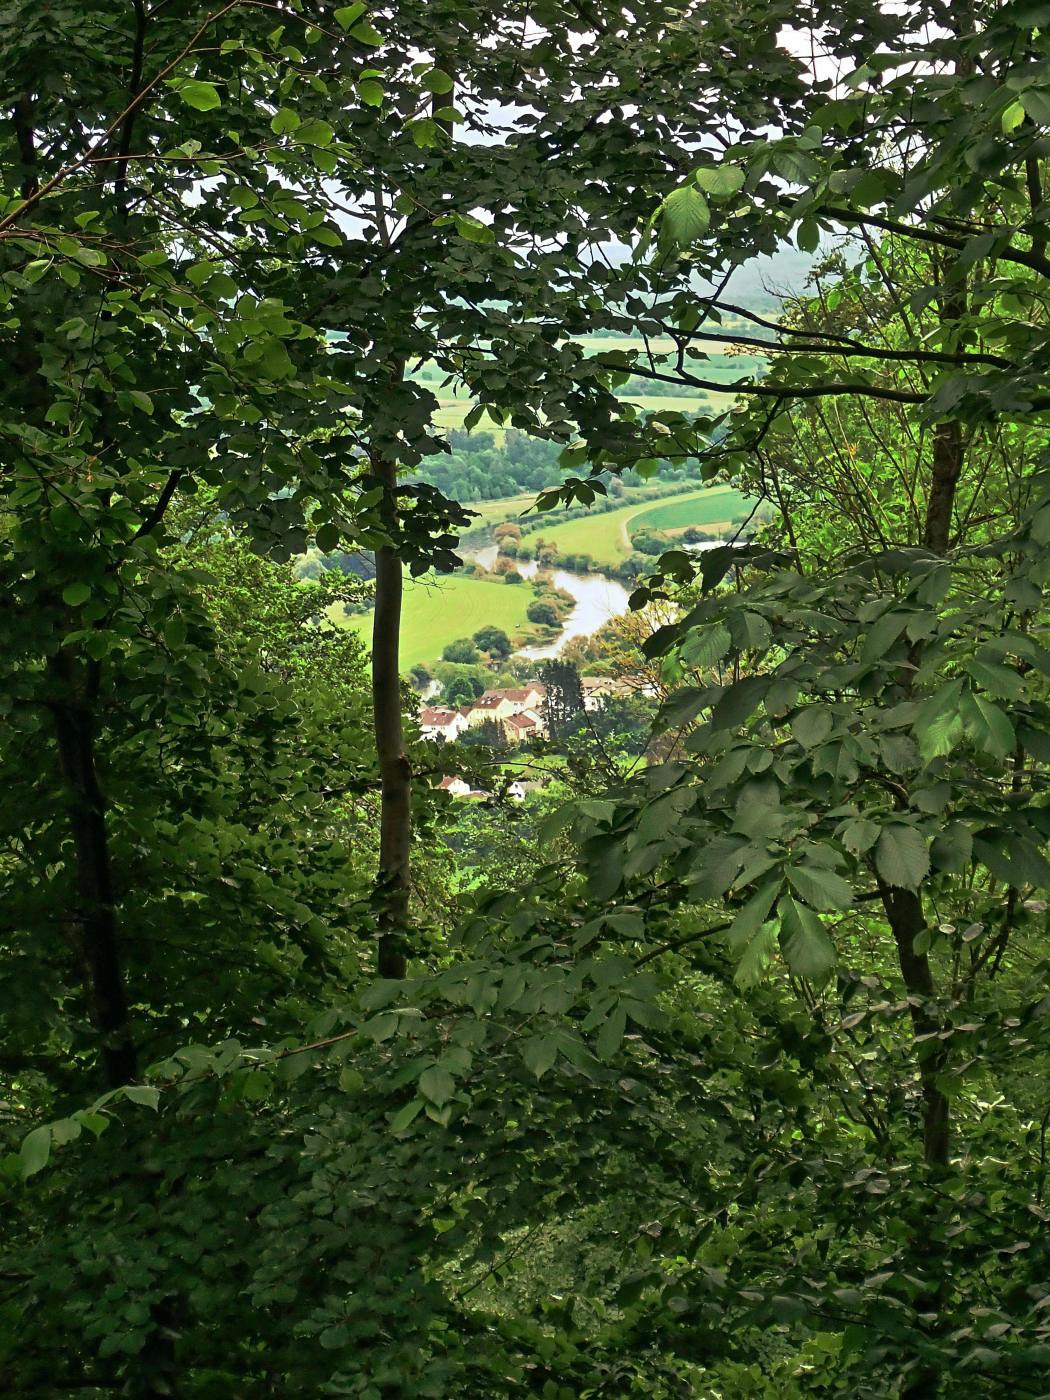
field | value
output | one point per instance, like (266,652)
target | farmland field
(438,609)
(683,511)
(605,537)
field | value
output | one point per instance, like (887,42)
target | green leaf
(756,956)
(823,889)
(142,1094)
(203,97)
(1012,117)
(858,835)
(611,1033)
(812,725)
(371,93)
(684,217)
(752,916)
(539,1053)
(35,1151)
(406,1115)
(952,849)
(365,34)
(987,725)
(719,181)
(705,646)
(901,856)
(437,81)
(437,1085)
(473,230)
(284,121)
(349,15)
(804,941)
(315,133)
(75,594)
(938,726)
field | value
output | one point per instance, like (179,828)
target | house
(458,787)
(520,728)
(439,723)
(598,689)
(493,705)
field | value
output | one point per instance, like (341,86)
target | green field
(606,537)
(439,609)
(721,504)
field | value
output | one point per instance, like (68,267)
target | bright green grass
(438,609)
(606,537)
(711,507)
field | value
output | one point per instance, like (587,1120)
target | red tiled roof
(436,717)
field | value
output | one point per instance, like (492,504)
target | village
(511,717)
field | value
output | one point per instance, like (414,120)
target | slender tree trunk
(395,771)
(907,921)
(944,479)
(95,914)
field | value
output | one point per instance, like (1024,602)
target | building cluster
(517,713)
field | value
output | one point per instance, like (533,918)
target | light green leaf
(315,133)
(684,217)
(75,594)
(719,181)
(901,856)
(284,121)
(756,956)
(35,1150)
(1012,117)
(204,97)
(349,15)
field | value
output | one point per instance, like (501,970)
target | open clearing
(439,608)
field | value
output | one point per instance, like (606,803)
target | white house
(458,787)
(437,723)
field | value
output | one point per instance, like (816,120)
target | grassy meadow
(439,608)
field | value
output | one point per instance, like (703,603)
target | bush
(507,531)
(544,613)
(421,676)
(493,640)
(512,576)
(462,651)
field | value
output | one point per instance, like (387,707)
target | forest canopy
(700,1050)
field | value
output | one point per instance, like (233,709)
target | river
(596,599)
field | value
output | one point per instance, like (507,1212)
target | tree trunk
(95,915)
(904,911)
(395,771)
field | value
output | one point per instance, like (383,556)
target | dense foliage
(717,1064)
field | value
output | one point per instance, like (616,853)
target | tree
(493,640)
(463,652)
(564,695)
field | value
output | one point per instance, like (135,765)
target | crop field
(438,609)
(721,504)
(606,537)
